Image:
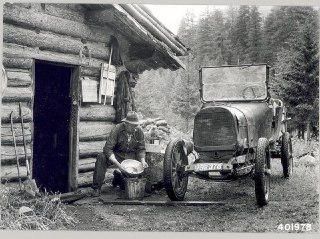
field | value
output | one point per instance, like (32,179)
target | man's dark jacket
(124,146)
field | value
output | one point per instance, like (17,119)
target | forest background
(287,39)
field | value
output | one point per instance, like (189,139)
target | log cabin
(49,52)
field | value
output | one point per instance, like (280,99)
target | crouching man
(125,141)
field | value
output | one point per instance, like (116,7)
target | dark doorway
(51,117)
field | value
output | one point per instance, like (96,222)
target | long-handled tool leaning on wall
(30,186)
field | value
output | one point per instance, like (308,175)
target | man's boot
(118,179)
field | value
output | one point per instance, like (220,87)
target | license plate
(207,167)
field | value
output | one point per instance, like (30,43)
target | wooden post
(74,136)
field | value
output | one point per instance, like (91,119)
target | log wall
(56,33)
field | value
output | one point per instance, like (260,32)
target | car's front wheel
(175,180)
(262,172)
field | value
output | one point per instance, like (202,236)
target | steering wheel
(250,92)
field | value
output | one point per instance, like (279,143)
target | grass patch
(46,213)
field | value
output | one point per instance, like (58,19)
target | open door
(55,117)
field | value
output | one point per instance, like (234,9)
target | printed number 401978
(295,227)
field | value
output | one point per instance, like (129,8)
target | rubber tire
(262,181)
(286,155)
(175,194)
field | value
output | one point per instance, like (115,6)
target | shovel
(30,185)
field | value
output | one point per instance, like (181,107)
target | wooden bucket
(134,188)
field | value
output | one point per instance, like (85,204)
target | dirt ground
(293,202)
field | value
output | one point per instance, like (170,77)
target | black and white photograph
(152,117)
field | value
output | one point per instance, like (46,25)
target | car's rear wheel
(262,172)
(175,180)
(286,155)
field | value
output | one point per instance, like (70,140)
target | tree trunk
(299,131)
(308,130)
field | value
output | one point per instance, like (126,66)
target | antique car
(236,133)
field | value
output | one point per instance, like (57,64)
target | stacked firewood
(155,129)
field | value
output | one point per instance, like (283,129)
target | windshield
(234,83)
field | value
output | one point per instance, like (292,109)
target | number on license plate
(208,166)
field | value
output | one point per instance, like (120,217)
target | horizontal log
(63,11)
(24,4)
(87,161)
(14,50)
(97,113)
(38,20)
(95,131)
(90,71)
(86,165)
(6,134)
(52,42)
(13,179)
(18,79)
(17,94)
(90,149)
(16,62)
(8,155)
(12,160)
(17,70)
(12,171)
(7,108)
(85,179)
(87,168)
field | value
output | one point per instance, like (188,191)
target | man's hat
(132,118)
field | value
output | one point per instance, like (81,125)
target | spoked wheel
(262,172)
(286,155)
(175,180)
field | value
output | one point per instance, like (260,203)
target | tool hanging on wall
(105,95)
(15,148)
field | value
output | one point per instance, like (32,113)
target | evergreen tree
(255,36)
(299,81)
(241,34)
(186,103)
(230,28)
(281,26)
(218,38)
(204,47)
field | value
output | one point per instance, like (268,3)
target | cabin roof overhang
(152,45)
